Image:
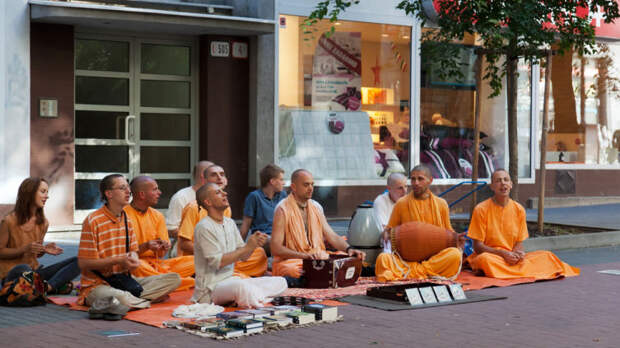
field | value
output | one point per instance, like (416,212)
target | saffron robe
(444,264)
(502,228)
(151,225)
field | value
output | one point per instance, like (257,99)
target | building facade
(150,87)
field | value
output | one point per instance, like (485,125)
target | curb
(573,241)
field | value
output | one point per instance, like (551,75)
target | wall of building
(14,99)
(52,139)
(224,122)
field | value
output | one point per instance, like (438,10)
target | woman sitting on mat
(21,241)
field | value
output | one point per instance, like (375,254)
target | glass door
(134,114)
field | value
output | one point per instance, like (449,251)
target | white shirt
(211,241)
(178,201)
(382,208)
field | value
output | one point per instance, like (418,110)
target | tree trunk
(543,147)
(513,140)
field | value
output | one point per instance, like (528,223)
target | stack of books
(301,318)
(322,312)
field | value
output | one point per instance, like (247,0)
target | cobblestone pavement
(573,312)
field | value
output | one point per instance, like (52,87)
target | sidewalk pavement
(573,312)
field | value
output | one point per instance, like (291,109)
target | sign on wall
(220,49)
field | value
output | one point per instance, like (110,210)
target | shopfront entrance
(135,114)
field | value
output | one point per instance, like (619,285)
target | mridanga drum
(417,241)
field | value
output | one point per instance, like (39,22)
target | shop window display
(585,90)
(344,99)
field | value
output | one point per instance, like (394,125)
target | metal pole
(543,146)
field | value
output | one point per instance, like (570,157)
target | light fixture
(384,35)
(406,37)
(337,23)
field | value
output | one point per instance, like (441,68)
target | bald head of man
(396,186)
(145,192)
(198,172)
(421,179)
(302,185)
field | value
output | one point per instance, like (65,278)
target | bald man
(420,205)
(498,229)
(254,266)
(150,229)
(183,197)
(218,246)
(384,203)
(300,230)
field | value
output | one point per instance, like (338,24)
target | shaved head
(297,174)
(499,170)
(199,169)
(204,191)
(395,178)
(424,169)
(140,183)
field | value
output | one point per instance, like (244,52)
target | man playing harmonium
(218,246)
(498,228)
(300,230)
(420,205)
(254,266)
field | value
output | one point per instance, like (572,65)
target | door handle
(130,120)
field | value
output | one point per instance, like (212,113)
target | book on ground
(322,312)
(301,318)
(280,319)
(227,331)
(256,313)
(244,323)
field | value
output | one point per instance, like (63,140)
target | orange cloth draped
(296,238)
(151,225)
(502,228)
(254,266)
(190,217)
(445,264)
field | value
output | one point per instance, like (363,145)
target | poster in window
(337,72)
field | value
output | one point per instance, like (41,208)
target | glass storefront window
(447,119)
(584,93)
(344,99)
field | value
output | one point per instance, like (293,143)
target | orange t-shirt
(18,237)
(191,216)
(103,236)
(433,210)
(147,226)
(497,226)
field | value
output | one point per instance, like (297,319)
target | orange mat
(159,312)
(473,282)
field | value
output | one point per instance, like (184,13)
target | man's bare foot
(161,299)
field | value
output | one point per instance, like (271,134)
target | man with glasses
(108,245)
(150,229)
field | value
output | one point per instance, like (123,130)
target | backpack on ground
(27,290)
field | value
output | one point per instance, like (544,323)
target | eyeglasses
(122,188)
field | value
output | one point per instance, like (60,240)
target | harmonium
(336,272)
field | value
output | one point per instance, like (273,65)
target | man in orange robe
(498,228)
(420,205)
(300,229)
(254,266)
(152,235)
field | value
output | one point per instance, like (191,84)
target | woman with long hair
(21,240)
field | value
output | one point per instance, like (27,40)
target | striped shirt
(103,236)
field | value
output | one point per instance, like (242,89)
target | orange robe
(151,225)
(444,264)
(254,266)
(502,228)
(296,238)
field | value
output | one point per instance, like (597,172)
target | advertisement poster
(337,72)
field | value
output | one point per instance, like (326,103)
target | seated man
(254,266)
(300,229)
(260,204)
(103,248)
(498,229)
(218,245)
(150,229)
(420,205)
(384,203)
(183,197)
